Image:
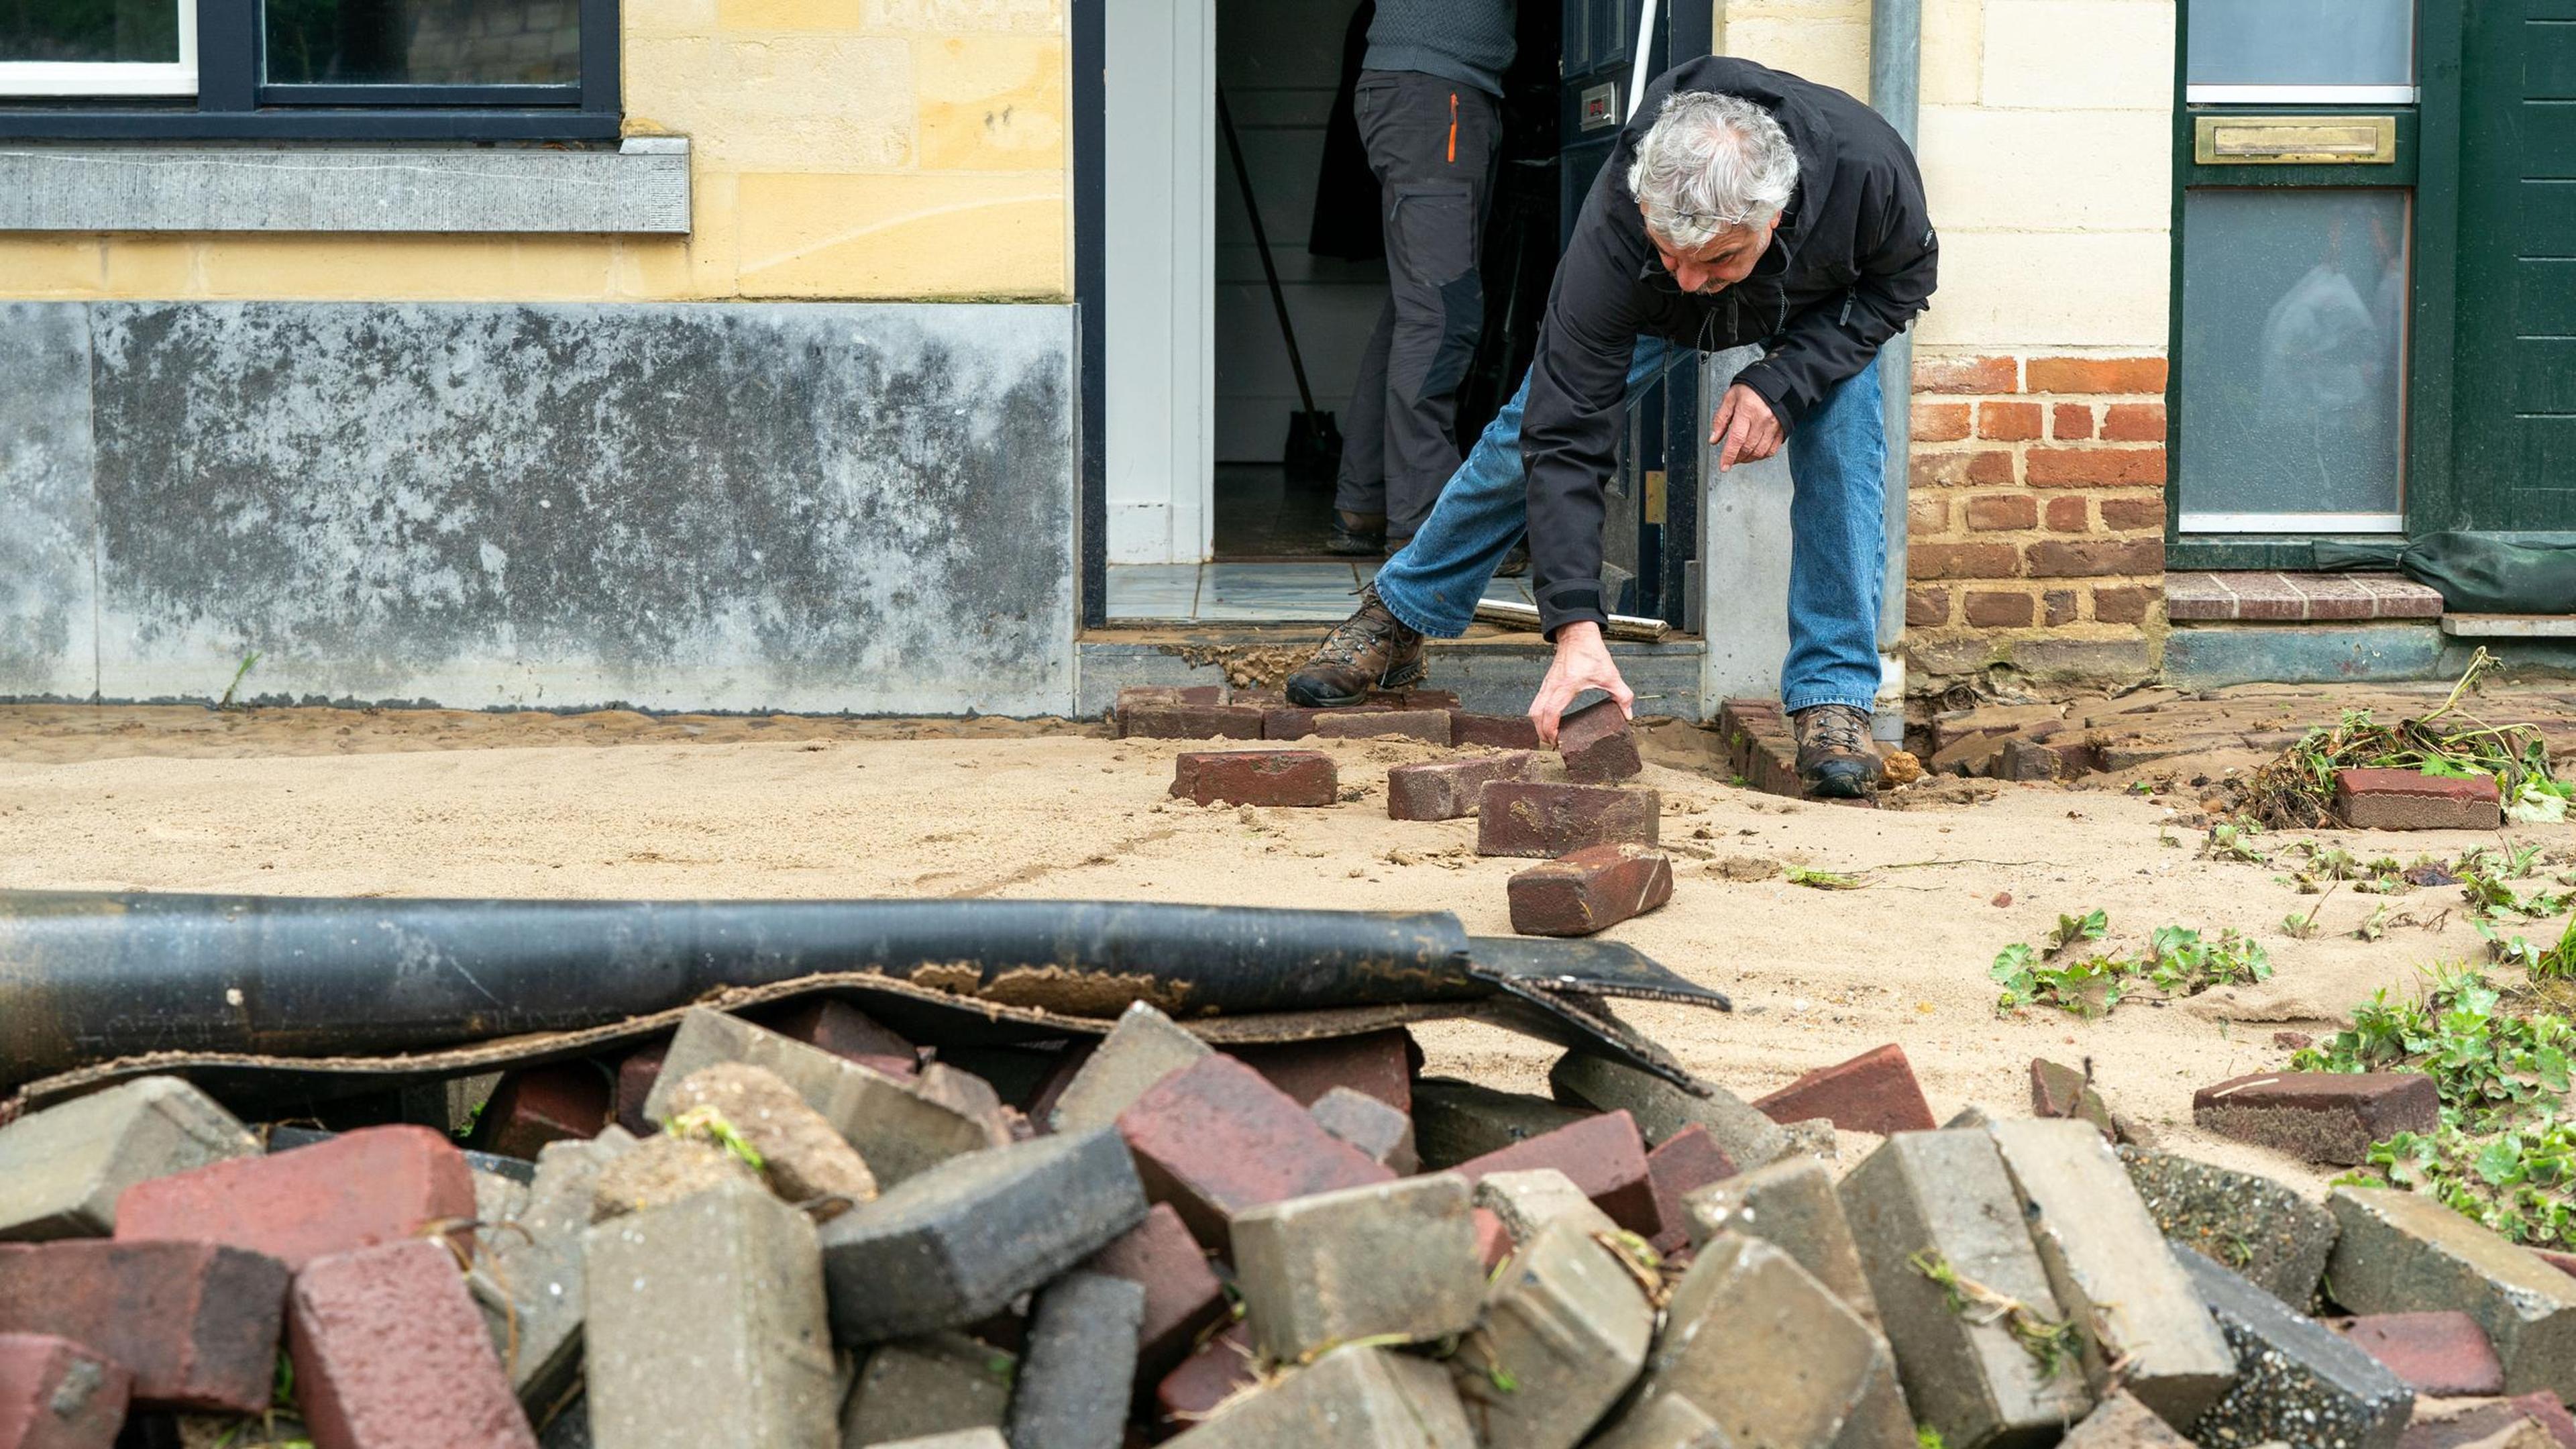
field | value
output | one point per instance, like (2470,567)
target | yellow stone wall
(862,149)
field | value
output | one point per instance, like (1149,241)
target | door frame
(2427,166)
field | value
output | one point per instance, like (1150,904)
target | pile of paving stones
(812,1232)
(1596,835)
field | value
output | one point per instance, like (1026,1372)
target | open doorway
(1285,69)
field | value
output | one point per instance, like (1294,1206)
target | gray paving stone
(1455,1121)
(1791,1205)
(2112,1269)
(2122,1421)
(2252,1225)
(62,1169)
(706,1327)
(2401,1252)
(1351,1398)
(899,1129)
(2296,1380)
(1774,1357)
(1529,1200)
(664,1168)
(957,1243)
(961,1439)
(921,1388)
(1142,1049)
(1370,1125)
(1748,1138)
(1565,1332)
(1362,1262)
(1671,1422)
(1079,1371)
(804,1157)
(497,1199)
(528,1278)
(1945,1196)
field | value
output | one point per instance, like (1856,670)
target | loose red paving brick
(1603,1155)
(1182,1294)
(1216,1138)
(1597,744)
(1590,890)
(390,1353)
(846,1032)
(1529,817)
(2405,800)
(1493,1240)
(374,1185)
(538,1105)
(197,1324)
(1207,1378)
(2442,1354)
(1680,1165)
(1439,699)
(2329,1117)
(1448,789)
(1873,1092)
(1380,1063)
(635,1078)
(1428,725)
(1191,722)
(57,1394)
(1290,722)
(1256,777)
(1503,731)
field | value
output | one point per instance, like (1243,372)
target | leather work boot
(1356,533)
(1835,758)
(1369,650)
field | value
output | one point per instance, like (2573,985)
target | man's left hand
(1746,428)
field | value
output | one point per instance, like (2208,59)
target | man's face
(1725,260)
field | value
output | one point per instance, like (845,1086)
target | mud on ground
(613,804)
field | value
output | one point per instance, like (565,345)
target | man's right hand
(1582,662)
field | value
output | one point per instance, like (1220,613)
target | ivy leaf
(2501,1162)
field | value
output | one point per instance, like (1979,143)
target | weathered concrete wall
(812,507)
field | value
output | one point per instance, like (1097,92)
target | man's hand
(1746,427)
(1582,662)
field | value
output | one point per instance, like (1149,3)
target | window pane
(90,30)
(2302,42)
(2294,348)
(423,42)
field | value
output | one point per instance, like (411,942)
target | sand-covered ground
(431,803)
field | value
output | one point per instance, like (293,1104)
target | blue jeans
(1837,540)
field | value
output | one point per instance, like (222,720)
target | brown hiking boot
(1835,758)
(1369,650)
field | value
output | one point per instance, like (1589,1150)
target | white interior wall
(1158,175)
(1280,61)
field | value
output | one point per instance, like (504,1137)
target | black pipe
(88,977)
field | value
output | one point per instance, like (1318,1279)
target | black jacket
(1851,263)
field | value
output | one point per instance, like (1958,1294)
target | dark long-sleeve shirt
(1853,260)
(1467,41)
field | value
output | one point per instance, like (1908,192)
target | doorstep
(2272,597)
(1492,670)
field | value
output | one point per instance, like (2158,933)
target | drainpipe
(1895,82)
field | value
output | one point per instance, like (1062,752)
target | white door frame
(1159,278)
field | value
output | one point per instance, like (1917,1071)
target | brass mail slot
(2294,140)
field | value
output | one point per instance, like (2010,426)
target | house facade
(853,356)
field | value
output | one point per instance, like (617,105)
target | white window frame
(2191,522)
(110,77)
(2318,95)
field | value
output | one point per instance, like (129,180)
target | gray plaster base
(2214,655)
(816,507)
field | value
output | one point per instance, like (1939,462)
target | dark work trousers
(1434,145)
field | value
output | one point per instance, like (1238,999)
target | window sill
(642,186)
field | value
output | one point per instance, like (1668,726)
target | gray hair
(1709,164)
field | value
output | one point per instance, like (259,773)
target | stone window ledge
(640,186)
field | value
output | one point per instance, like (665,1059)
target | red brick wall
(2036,536)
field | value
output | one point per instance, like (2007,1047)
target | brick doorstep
(2292,598)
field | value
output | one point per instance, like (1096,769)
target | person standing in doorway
(1429,106)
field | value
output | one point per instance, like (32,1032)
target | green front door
(2513,424)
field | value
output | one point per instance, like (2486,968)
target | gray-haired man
(1741,206)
